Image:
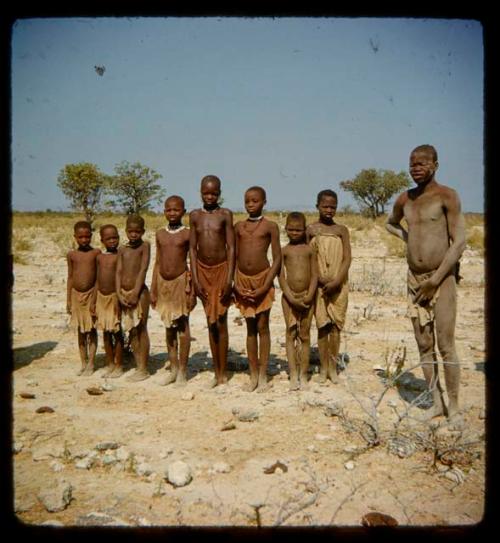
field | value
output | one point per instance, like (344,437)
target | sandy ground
(325,456)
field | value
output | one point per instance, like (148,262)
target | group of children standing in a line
(229,264)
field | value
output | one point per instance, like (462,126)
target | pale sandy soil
(159,425)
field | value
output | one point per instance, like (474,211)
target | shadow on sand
(24,356)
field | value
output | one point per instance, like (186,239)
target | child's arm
(287,292)
(118,277)
(275,268)
(93,300)
(393,224)
(141,276)
(231,257)
(193,256)
(154,280)
(332,286)
(69,283)
(313,285)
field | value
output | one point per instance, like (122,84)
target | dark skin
(252,243)
(435,241)
(131,268)
(298,280)
(82,274)
(212,242)
(106,284)
(171,261)
(329,335)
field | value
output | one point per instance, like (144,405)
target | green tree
(83,185)
(372,188)
(134,188)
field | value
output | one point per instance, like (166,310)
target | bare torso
(106,271)
(297,263)
(132,258)
(210,230)
(319,227)
(172,250)
(252,242)
(428,232)
(83,269)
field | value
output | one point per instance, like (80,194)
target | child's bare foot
(304,385)
(213,383)
(264,386)
(167,379)
(180,380)
(81,370)
(322,377)
(117,372)
(294,384)
(89,370)
(109,370)
(251,386)
(139,375)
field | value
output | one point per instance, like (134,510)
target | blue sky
(293,104)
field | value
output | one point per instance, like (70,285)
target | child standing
(105,305)
(298,280)
(133,294)
(253,282)
(331,243)
(212,256)
(82,272)
(171,292)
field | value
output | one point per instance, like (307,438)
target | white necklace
(255,219)
(175,229)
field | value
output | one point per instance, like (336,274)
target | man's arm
(393,224)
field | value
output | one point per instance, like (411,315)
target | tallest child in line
(212,256)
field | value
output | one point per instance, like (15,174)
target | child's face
(327,208)
(110,239)
(254,202)
(134,233)
(210,193)
(295,230)
(422,166)
(83,237)
(174,210)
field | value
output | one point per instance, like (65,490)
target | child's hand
(154,299)
(226,293)
(133,299)
(68,308)
(200,292)
(258,292)
(92,309)
(330,288)
(425,291)
(191,301)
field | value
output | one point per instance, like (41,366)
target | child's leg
(223,348)
(82,349)
(184,340)
(323,348)
(333,347)
(264,348)
(118,348)
(91,340)
(304,349)
(291,355)
(171,337)
(253,354)
(108,349)
(140,346)
(217,344)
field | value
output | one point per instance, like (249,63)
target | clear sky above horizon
(293,104)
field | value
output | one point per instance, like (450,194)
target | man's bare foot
(139,375)
(117,372)
(89,370)
(167,379)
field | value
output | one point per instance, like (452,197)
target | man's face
(422,166)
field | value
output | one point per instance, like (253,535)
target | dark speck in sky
(374,45)
(100,70)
